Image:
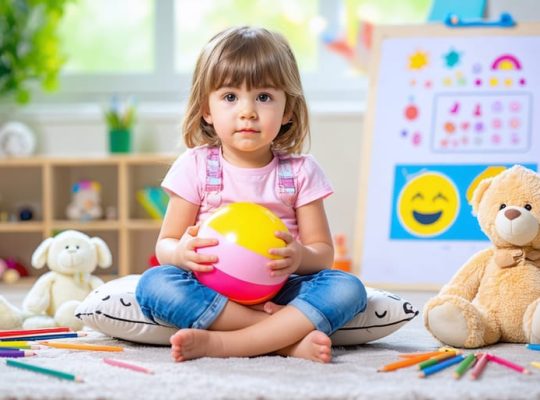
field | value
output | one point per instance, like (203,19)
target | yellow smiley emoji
(428,204)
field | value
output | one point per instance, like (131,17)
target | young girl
(246,118)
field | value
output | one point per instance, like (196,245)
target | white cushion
(113,310)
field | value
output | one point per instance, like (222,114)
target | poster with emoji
(448,107)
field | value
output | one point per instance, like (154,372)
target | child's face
(246,121)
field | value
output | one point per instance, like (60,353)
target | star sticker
(418,60)
(452,58)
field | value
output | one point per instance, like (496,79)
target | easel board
(446,107)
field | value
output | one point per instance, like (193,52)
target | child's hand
(190,258)
(292,256)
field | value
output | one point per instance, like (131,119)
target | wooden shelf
(45,183)
(27,226)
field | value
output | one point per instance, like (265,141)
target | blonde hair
(255,57)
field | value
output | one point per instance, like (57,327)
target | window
(148,47)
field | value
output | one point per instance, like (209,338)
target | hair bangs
(248,64)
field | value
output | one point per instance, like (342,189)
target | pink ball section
(240,274)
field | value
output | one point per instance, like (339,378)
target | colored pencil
(29,332)
(430,353)
(43,370)
(18,345)
(406,362)
(464,366)
(531,346)
(123,364)
(440,366)
(81,346)
(436,359)
(480,365)
(49,336)
(535,364)
(16,353)
(507,363)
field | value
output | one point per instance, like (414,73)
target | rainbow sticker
(506,62)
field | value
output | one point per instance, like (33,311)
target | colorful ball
(246,232)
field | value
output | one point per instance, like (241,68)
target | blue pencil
(533,347)
(46,337)
(440,366)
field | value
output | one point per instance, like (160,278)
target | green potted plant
(29,46)
(120,118)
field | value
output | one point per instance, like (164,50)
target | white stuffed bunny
(71,256)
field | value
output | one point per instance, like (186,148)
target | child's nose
(248,110)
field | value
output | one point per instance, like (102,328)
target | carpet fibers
(352,374)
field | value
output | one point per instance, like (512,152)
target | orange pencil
(82,346)
(430,353)
(407,362)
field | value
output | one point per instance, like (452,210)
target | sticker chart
(446,110)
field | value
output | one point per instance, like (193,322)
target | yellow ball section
(250,225)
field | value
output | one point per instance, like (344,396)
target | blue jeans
(329,298)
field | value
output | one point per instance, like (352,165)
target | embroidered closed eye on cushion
(113,310)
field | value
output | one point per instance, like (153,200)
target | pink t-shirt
(187,176)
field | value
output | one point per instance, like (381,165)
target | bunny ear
(104,256)
(39,257)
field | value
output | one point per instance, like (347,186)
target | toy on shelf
(71,256)
(154,201)
(11,270)
(246,231)
(342,261)
(85,202)
(495,296)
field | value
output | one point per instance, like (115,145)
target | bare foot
(188,344)
(315,346)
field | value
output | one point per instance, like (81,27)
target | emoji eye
(528,207)
(125,303)
(440,196)
(417,196)
(502,206)
(106,298)
(381,315)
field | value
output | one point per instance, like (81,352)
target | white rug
(352,375)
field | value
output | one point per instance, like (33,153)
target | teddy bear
(71,257)
(495,296)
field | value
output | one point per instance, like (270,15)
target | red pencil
(28,332)
(507,363)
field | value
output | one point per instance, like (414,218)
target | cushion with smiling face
(113,310)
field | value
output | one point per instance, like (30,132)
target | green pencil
(43,370)
(464,365)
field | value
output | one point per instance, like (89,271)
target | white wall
(335,142)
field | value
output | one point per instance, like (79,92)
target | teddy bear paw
(531,322)
(65,315)
(448,324)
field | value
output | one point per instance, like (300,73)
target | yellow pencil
(19,344)
(535,364)
(82,346)
(430,353)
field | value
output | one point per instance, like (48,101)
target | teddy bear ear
(479,193)
(39,257)
(104,256)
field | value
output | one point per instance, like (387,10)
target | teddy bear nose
(512,214)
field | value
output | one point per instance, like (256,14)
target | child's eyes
(264,97)
(229,97)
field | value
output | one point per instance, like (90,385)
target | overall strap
(286,183)
(214,177)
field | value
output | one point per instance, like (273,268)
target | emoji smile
(425,218)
